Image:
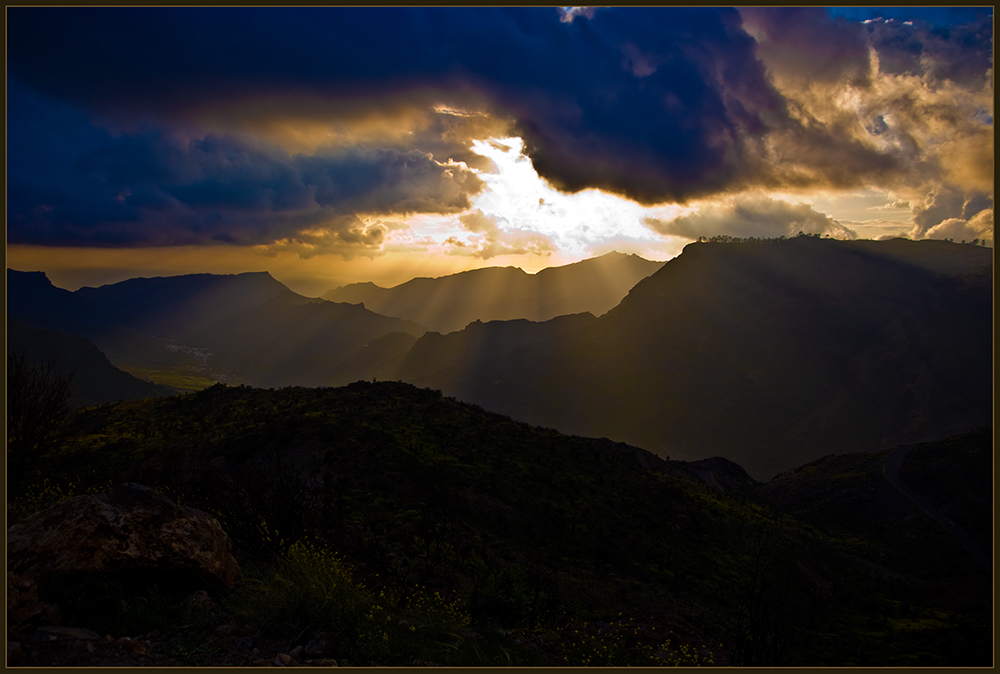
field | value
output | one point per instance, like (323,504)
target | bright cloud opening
(516,199)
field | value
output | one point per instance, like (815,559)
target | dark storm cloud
(655,104)
(77,184)
(159,116)
(807,43)
(822,45)
(961,53)
(751,216)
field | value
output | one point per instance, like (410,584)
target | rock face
(23,605)
(131,531)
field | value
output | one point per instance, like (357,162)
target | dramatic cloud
(892,206)
(978,226)
(951,210)
(282,127)
(490,240)
(344,235)
(751,216)
(902,106)
(78,184)
(655,104)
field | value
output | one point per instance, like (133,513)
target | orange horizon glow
(74,268)
(518,220)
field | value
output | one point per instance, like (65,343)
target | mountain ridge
(782,347)
(95,380)
(449,303)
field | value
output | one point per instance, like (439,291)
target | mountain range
(242,328)
(768,352)
(451,302)
(94,379)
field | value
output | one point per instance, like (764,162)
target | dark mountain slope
(169,305)
(571,545)
(956,477)
(292,340)
(768,353)
(239,328)
(95,379)
(484,362)
(33,299)
(504,293)
(849,496)
(938,256)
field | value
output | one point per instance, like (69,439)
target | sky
(337,145)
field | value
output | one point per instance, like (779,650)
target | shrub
(628,643)
(37,399)
(121,608)
(311,590)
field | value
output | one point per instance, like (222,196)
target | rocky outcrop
(130,531)
(23,605)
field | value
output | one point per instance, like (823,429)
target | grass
(121,608)
(312,590)
(628,642)
(179,378)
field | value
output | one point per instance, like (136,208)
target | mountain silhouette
(168,305)
(451,302)
(294,340)
(245,328)
(769,353)
(95,379)
(33,299)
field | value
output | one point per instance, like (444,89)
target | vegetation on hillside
(415,528)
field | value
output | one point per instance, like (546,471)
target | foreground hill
(578,550)
(451,302)
(851,495)
(769,353)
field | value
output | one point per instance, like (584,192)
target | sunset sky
(334,145)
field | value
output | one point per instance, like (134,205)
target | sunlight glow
(519,199)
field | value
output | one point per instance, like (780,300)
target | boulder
(319,646)
(130,531)
(56,633)
(14,652)
(23,605)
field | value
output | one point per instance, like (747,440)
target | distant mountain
(450,303)
(246,328)
(166,306)
(33,299)
(95,379)
(769,353)
(293,340)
